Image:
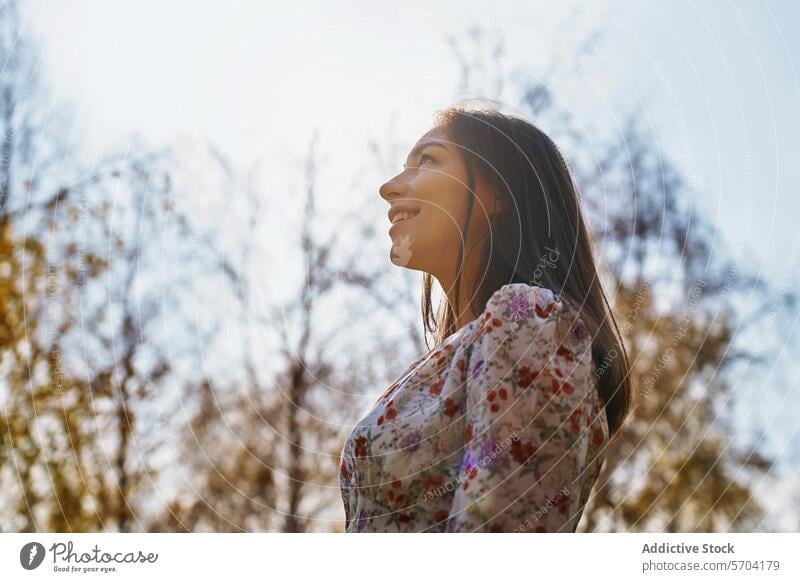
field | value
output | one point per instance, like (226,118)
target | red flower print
(565,353)
(361,446)
(495,323)
(496,528)
(522,452)
(560,500)
(540,529)
(403,517)
(386,394)
(450,406)
(526,376)
(545,312)
(597,436)
(345,472)
(495,407)
(469,432)
(432,481)
(460,365)
(441,515)
(559,386)
(380,420)
(391,413)
(436,387)
(575,420)
(503,394)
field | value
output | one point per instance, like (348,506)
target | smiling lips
(402,215)
(402,211)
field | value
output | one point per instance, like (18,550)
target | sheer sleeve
(529,390)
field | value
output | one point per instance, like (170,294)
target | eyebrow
(421,146)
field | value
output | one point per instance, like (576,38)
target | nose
(393,188)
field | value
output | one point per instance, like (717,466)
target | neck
(462,309)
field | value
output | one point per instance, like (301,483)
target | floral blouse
(499,428)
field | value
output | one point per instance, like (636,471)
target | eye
(423,157)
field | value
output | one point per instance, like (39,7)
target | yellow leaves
(34,246)
(94,264)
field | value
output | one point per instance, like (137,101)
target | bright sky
(716,79)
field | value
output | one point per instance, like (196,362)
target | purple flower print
(492,455)
(362,520)
(520,307)
(469,464)
(477,369)
(410,442)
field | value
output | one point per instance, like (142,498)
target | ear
(492,202)
(499,206)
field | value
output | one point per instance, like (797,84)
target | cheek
(444,209)
(442,229)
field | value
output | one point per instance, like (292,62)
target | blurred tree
(42,428)
(77,365)
(77,362)
(261,451)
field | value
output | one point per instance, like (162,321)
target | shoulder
(521,302)
(524,316)
(531,351)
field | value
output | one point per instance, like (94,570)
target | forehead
(434,135)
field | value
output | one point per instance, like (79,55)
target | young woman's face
(428,204)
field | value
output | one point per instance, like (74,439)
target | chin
(402,252)
(401,260)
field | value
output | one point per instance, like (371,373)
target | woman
(502,426)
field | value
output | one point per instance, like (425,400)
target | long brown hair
(542,216)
